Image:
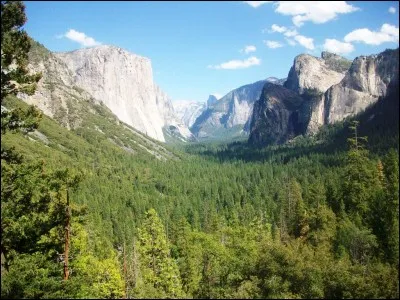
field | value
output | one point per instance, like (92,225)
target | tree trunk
(67,237)
(125,275)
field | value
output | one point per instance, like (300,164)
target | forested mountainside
(98,210)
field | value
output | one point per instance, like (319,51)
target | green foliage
(159,273)
(31,276)
(14,51)
(226,249)
(359,181)
(92,276)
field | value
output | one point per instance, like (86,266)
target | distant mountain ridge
(230,116)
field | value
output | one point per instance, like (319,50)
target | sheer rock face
(277,116)
(124,83)
(309,72)
(234,109)
(367,79)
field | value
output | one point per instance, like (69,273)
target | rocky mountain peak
(211,100)
(188,111)
(310,72)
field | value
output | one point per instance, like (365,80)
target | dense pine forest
(317,217)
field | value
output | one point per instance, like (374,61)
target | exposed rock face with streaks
(329,92)
(367,79)
(124,83)
(276,116)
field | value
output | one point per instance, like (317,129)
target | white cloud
(392,10)
(248,49)
(290,33)
(237,64)
(390,30)
(80,37)
(338,47)
(388,33)
(273,44)
(315,11)
(291,42)
(305,41)
(282,29)
(256,4)
(293,35)
(276,28)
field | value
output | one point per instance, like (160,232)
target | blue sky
(202,48)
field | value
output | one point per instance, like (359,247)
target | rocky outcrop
(172,124)
(231,114)
(278,81)
(367,79)
(120,80)
(277,116)
(309,72)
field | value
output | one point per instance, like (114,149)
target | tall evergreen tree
(15,45)
(160,274)
(358,177)
(391,171)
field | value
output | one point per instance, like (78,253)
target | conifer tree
(160,274)
(15,45)
(358,177)
(391,170)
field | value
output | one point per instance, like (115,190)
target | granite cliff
(328,90)
(120,80)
